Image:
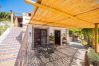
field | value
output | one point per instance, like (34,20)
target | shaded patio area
(60,13)
(62,56)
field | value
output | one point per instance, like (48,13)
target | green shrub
(93,57)
(3,29)
(84,43)
(51,37)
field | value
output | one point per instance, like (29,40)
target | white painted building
(26,18)
(39,34)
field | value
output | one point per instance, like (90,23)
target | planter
(95,63)
(92,58)
(51,39)
(51,42)
(64,40)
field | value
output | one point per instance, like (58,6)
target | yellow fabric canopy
(66,13)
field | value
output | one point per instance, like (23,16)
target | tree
(75,33)
(4,16)
(87,32)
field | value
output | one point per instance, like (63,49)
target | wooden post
(93,38)
(96,38)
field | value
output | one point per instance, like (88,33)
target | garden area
(86,35)
(4,21)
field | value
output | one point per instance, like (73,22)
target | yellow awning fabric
(66,13)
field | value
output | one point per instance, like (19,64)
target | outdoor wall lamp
(30,34)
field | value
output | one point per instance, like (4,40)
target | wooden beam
(56,11)
(96,37)
(49,22)
(93,38)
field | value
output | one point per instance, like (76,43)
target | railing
(22,55)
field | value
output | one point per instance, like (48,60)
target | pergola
(67,14)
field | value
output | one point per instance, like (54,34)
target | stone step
(9,48)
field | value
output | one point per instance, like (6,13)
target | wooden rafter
(54,23)
(55,11)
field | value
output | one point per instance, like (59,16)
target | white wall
(26,18)
(63,31)
(30,36)
(50,30)
(67,34)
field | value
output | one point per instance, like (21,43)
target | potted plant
(64,40)
(93,57)
(51,39)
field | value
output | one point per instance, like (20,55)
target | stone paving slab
(62,56)
(80,55)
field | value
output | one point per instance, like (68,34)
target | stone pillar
(67,34)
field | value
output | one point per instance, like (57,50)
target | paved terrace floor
(9,48)
(63,56)
(80,55)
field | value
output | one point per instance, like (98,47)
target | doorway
(57,34)
(40,37)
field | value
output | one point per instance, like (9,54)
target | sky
(17,6)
